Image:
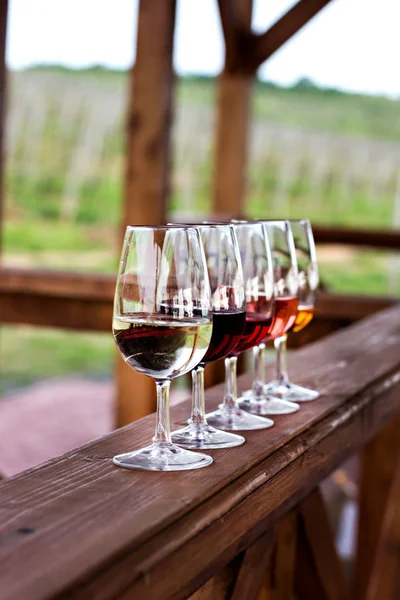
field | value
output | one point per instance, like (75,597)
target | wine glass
(308,280)
(258,284)
(162,326)
(286,286)
(228,305)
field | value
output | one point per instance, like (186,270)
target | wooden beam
(148,159)
(233,110)
(318,536)
(278,34)
(387,239)
(378,468)
(3,98)
(149,119)
(384,581)
(69,296)
(253,568)
(280,576)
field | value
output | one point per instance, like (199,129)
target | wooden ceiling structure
(84,302)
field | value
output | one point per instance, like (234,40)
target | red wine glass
(228,305)
(162,326)
(258,284)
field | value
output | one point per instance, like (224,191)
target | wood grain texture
(279,581)
(3,98)
(321,542)
(387,239)
(147,161)
(378,467)
(384,580)
(233,112)
(253,568)
(81,527)
(84,301)
(286,27)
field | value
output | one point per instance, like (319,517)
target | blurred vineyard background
(332,156)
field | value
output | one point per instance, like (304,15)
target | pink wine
(284,316)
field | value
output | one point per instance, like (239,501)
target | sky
(351,44)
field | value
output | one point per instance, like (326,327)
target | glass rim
(217,224)
(159,227)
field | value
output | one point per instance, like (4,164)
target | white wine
(161,346)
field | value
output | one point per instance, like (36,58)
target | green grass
(29,354)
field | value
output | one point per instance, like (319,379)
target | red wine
(258,322)
(284,317)
(227,330)
(161,346)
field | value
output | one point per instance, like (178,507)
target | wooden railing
(251,526)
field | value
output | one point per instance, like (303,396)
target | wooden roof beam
(264,45)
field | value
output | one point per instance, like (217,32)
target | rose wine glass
(228,305)
(162,326)
(309,280)
(286,286)
(258,284)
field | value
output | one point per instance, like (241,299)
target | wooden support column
(147,166)
(3,91)
(378,469)
(233,111)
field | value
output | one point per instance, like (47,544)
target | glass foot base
(235,419)
(267,406)
(205,436)
(291,392)
(162,457)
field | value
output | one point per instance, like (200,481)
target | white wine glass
(162,326)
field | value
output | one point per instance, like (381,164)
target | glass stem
(230,399)
(281,370)
(198,401)
(162,434)
(259,372)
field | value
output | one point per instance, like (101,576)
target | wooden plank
(148,158)
(67,297)
(320,539)
(280,576)
(155,535)
(286,27)
(150,115)
(220,586)
(378,465)
(233,110)
(253,568)
(388,239)
(3,98)
(384,581)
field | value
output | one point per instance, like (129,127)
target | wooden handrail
(84,301)
(388,239)
(80,527)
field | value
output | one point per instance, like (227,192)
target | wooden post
(3,86)
(233,110)
(147,165)
(378,468)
